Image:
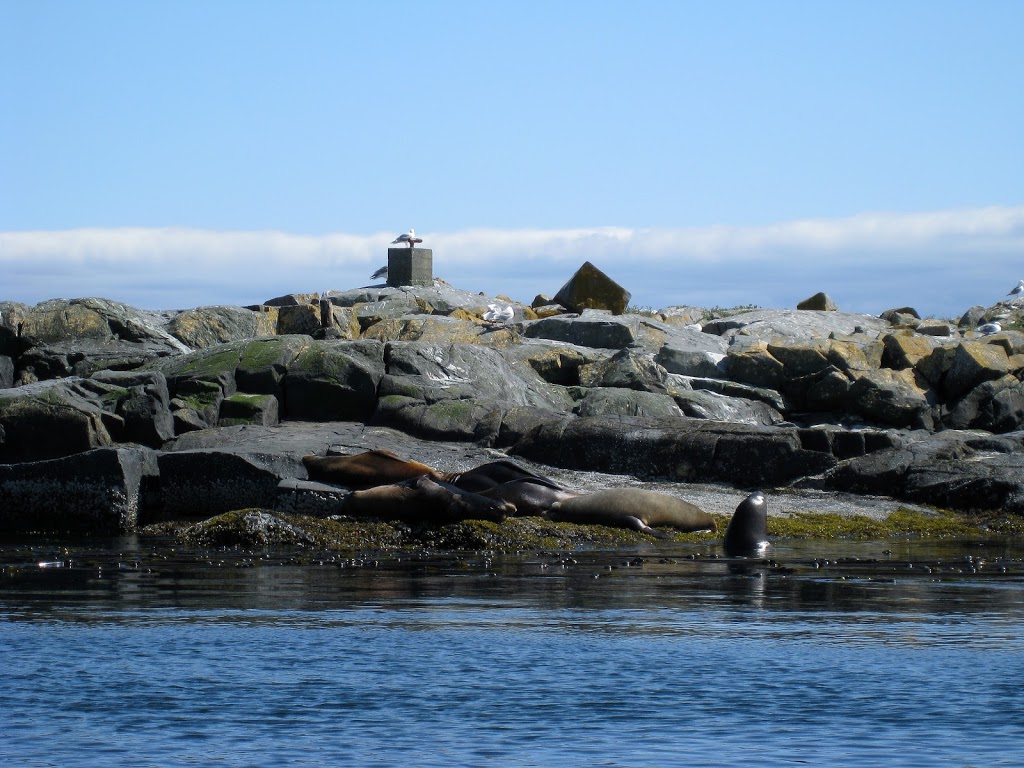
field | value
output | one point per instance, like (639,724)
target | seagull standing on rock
(1017,292)
(409,238)
(496,314)
(989,328)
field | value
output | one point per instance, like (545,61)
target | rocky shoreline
(113,418)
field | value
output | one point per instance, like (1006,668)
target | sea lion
(747,534)
(424,500)
(493,474)
(531,496)
(633,508)
(365,470)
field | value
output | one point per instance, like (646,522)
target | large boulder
(891,397)
(208,326)
(820,301)
(593,329)
(48,420)
(590,288)
(334,381)
(973,363)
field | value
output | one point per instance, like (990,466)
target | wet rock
(306,497)
(99,491)
(590,288)
(198,483)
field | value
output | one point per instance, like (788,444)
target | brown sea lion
(531,496)
(365,470)
(747,534)
(632,508)
(424,500)
(493,474)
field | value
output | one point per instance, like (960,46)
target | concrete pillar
(410,266)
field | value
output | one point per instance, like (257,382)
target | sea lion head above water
(747,534)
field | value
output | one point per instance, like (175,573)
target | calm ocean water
(845,654)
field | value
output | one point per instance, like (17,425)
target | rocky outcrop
(758,397)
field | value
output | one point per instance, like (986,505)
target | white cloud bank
(940,262)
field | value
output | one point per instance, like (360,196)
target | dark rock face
(819,301)
(96,491)
(590,288)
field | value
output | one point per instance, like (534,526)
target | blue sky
(179,154)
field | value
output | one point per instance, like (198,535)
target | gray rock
(306,497)
(625,369)
(594,329)
(242,408)
(198,483)
(590,288)
(49,420)
(6,372)
(433,373)
(141,399)
(299,319)
(892,398)
(209,326)
(688,450)
(97,491)
(796,324)
(820,302)
(613,401)
(973,363)
(700,404)
(334,381)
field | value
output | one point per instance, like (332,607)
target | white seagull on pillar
(409,238)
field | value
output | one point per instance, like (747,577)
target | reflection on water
(868,653)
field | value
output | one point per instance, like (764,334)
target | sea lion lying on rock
(493,474)
(365,470)
(531,496)
(747,534)
(633,508)
(424,500)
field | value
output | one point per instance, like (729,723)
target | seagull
(497,314)
(409,238)
(382,272)
(1017,292)
(989,328)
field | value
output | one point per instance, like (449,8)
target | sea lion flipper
(653,532)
